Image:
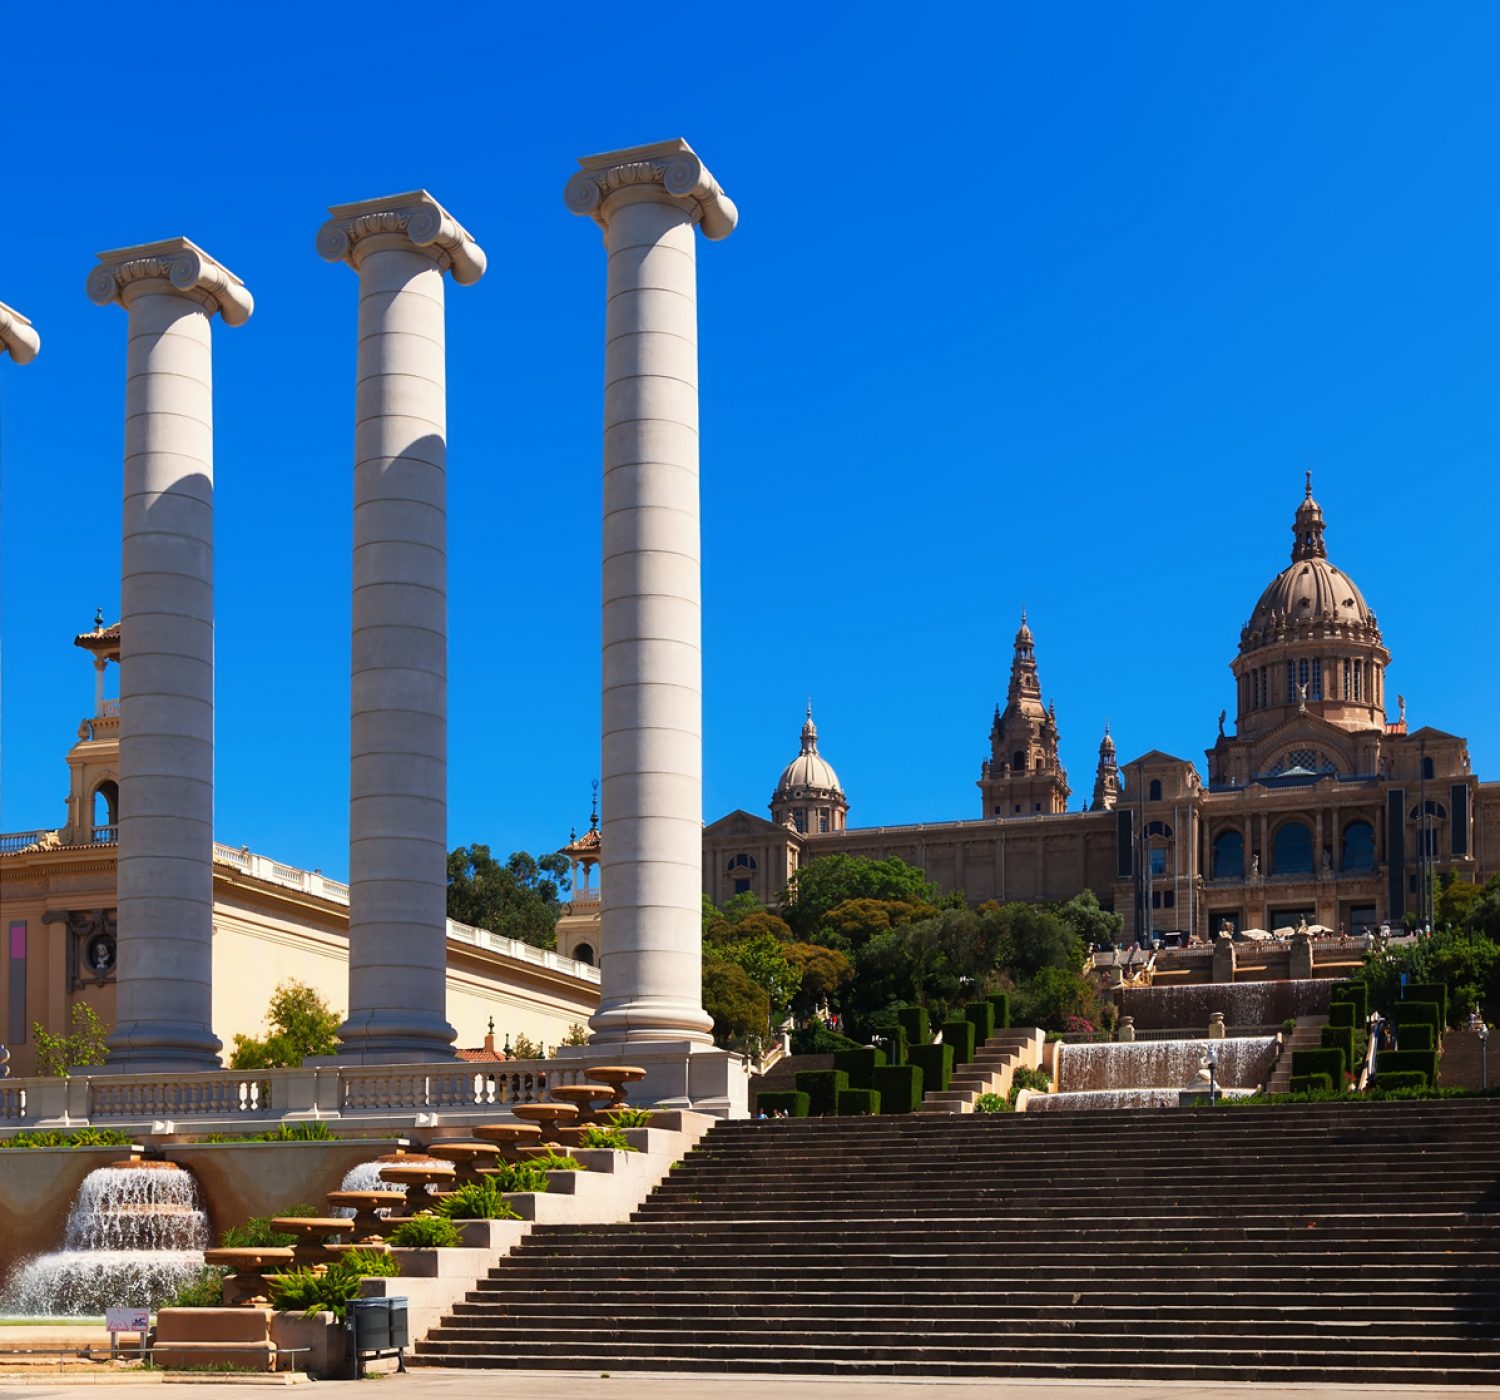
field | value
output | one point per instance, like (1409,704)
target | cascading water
(136,1233)
(1152,1073)
(1257,1004)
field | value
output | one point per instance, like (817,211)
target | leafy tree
(739,907)
(1054,995)
(741,1009)
(762,959)
(578,1034)
(760,924)
(1092,924)
(828,881)
(1034,938)
(520,899)
(1467,960)
(525,1048)
(300,1024)
(824,972)
(849,925)
(1484,917)
(83,1045)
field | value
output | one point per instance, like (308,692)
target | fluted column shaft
(398,784)
(165,860)
(648,201)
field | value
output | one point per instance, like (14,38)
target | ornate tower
(1106,777)
(808,796)
(1023,774)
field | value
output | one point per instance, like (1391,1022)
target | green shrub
(530,1173)
(1329,1061)
(822,1089)
(1342,1039)
(370,1263)
(1001,1002)
(914,1021)
(477,1200)
(819,1040)
(204,1291)
(1417,1036)
(1401,1079)
(424,1232)
(1340,1013)
(614,1138)
(301,1290)
(993,1103)
(980,1015)
(792,1102)
(855,1103)
(935,1063)
(557,1162)
(899,1087)
(1311,1083)
(1037,1080)
(859,1065)
(898,1046)
(1436,992)
(79,1137)
(1398,1061)
(626,1117)
(313,1131)
(1355,992)
(960,1035)
(1417,1013)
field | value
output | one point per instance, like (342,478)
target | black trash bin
(377,1327)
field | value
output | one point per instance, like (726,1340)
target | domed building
(1317,805)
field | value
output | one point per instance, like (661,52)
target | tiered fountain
(135,1234)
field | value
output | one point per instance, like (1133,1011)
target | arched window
(1159,829)
(1229,856)
(1153,793)
(584,953)
(106,810)
(1429,769)
(1292,850)
(1358,850)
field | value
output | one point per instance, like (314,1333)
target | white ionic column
(647,200)
(398,764)
(18,336)
(166,809)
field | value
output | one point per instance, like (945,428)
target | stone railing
(19,840)
(225,1098)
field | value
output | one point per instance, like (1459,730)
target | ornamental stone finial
(414,220)
(19,336)
(669,171)
(173,265)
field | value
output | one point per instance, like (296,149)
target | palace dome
(809,771)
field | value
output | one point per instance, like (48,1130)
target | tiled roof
(587,844)
(101,639)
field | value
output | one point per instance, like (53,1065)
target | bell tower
(1023,774)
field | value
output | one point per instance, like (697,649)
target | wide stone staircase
(1342,1243)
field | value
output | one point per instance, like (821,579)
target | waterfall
(1244,1063)
(1247,1004)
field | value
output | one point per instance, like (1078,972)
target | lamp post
(1481,1029)
(1213,1068)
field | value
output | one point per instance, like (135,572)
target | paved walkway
(631,1385)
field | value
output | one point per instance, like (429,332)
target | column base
(679,1074)
(385,1039)
(638,1022)
(149,1047)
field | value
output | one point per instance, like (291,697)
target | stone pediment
(743,823)
(1157,759)
(1303,731)
(1427,731)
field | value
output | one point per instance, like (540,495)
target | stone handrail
(223,1098)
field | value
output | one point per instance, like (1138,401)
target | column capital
(415,221)
(667,171)
(173,265)
(18,335)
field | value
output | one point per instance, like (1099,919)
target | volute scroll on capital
(672,167)
(414,219)
(18,335)
(182,266)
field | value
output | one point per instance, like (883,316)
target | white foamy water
(1244,1063)
(1243,1003)
(1092,1100)
(134,1236)
(366,1177)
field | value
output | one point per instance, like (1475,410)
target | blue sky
(1047,305)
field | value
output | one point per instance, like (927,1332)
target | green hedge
(855,1102)
(1327,1061)
(960,1035)
(980,1015)
(1402,1079)
(1429,991)
(1417,1013)
(1341,1013)
(936,1064)
(1001,1002)
(792,1102)
(899,1087)
(859,1065)
(1342,1039)
(1417,1036)
(819,1040)
(1310,1083)
(915,1022)
(1406,1061)
(1356,992)
(822,1089)
(897,1053)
